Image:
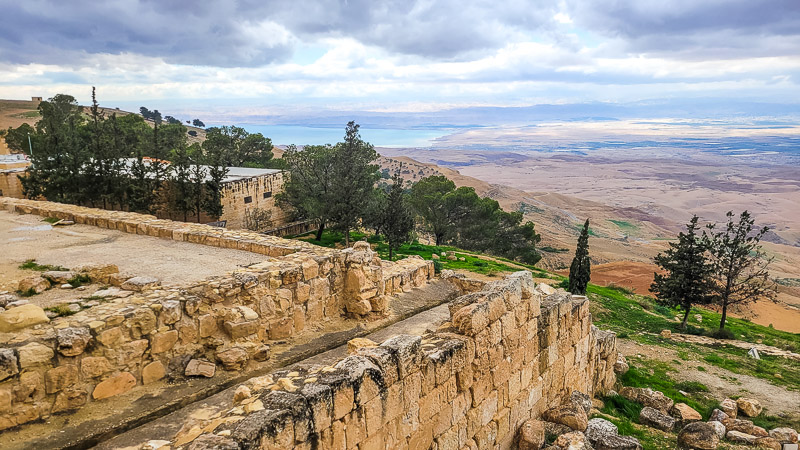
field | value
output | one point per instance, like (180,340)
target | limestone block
(784,435)
(9,365)
(36,283)
(94,366)
(750,407)
(656,419)
(115,385)
(21,317)
(60,377)
(29,388)
(572,441)
(685,413)
(353,345)
(153,372)
(472,319)
(729,407)
(69,398)
(281,328)
(162,342)
(261,353)
(207,325)
(170,311)
(531,435)
(200,368)
(72,341)
(238,330)
(719,428)
(741,438)
(699,435)
(233,358)
(744,426)
(213,442)
(648,397)
(142,323)
(110,337)
(570,414)
(132,351)
(408,351)
(139,284)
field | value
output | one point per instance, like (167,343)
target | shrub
(619,288)
(437,266)
(691,386)
(723,334)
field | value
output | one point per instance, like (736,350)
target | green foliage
(31,264)
(79,280)
(61,310)
(723,334)
(740,264)
(623,225)
(688,281)
(51,220)
(17,138)
(458,216)
(398,221)
(550,249)
(580,269)
(27,293)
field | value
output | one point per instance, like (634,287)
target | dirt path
(720,382)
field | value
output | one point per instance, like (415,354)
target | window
(248,199)
(267,194)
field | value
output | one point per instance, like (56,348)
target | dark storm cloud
(249,33)
(696,29)
(228,33)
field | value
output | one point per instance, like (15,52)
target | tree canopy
(580,270)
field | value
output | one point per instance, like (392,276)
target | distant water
(379,137)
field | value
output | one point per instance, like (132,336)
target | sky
(399,55)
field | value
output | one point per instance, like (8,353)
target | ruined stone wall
(506,355)
(261,192)
(225,321)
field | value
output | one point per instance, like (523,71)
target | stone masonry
(508,353)
(224,322)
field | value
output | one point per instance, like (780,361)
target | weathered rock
(750,407)
(769,443)
(648,397)
(740,438)
(555,429)
(666,334)
(156,444)
(573,441)
(718,415)
(213,442)
(115,385)
(604,435)
(140,284)
(70,398)
(353,345)
(262,353)
(685,413)
(9,365)
(744,426)
(59,276)
(571,415)
(95,366)
(719,428)
(153,372)
(112,292)
(582,400)
(162,342)
(200,368)
(72,341)
(60,377)
(621,365)
(34,354)
(531,435)
(242,392)
(656,419)
(36,284)
(22,317)
(698,435)
(729,407)
(233,358)
(784,435)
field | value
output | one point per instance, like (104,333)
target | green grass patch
(31,264)
(29,293)
(62,310)
(625,226)
(51,220)
(79,280)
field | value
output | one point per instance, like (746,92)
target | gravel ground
(24,237)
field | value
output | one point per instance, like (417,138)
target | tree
(181,183)
(198,123)
(580,269)
(17,138)
(308,191)
(172,121)
(688,279)
(427,199)
(197,176)
(741,266)
(354,176)
(238,147)
(398,221)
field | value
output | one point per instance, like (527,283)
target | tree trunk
(724,315)
(347,237)
(438,240)
(685,319)
(320,230)
(390,251)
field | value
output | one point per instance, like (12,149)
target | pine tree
(688,279)
(580,269)
(740,265)
(181,183)
(398,221)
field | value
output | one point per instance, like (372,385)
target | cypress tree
(580,270)
(398,221)
(688,279)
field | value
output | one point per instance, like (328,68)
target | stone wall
(222,322)
(10,185)
(507,354)
(260,191)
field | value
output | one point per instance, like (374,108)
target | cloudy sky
(400,55)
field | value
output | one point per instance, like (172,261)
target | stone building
(11,166)
(248,199)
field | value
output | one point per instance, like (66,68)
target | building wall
(241,199)
(10,185)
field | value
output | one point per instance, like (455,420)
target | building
(248,199)
(36,99)
(11,167)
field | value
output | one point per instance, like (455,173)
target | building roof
(234,173)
